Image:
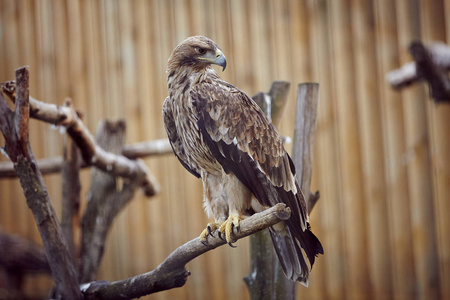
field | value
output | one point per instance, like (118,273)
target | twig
(171,272)
(14,126)
(92,154)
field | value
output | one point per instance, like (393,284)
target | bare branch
(46,165)
(18,149)
(431,64)
(171,272)
(94,155)
(149,148)
(131,151)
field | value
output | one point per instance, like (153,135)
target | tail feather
(296,254)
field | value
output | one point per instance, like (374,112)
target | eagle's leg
(208,231)
(227,228)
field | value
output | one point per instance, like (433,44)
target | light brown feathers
(218,133)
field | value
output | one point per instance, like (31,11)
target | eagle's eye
(200,50)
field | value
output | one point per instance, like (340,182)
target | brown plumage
(219,134)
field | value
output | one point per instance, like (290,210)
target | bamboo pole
(438,243)
(372,158)
(327,167)
(418,159)
(397,193)
(356,270)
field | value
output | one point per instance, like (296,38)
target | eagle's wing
(174,140)
(246,143)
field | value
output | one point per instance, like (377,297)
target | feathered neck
(188,75)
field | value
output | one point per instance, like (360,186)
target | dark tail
(297,252)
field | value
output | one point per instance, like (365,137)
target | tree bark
(304,133)
(131,151)
(92,154)
(14,127)
(266,279)
(105,200)
(71,189)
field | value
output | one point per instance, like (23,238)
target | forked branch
(66,116)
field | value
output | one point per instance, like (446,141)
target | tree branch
(105,200)
(19,258)
(148,148)
(437,79)
(431,63)
(14,126)
(92,154)
(171,273)
(131,151)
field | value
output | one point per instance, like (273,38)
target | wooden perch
(92,154)
(431,63)
(172,273)
(14,127)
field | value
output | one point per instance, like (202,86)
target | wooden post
(433,243)
(304,134)
(71,189)
(106,198)
(267,279)
(264,278)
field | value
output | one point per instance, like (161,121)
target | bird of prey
(220,135)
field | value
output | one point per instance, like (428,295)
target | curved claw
(231,245)
(210,231)
(227,228)
(220,236)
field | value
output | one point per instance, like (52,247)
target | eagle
(219,134)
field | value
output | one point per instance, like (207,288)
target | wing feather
(174,140)
(252,150)
(245,142)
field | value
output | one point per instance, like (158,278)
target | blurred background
(381,158)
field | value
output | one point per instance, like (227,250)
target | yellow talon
(227,227)
(208,231)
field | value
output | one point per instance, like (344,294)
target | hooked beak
(220,59)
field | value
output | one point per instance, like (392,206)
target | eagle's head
(197,52)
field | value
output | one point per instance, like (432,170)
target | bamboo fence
(381,161)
